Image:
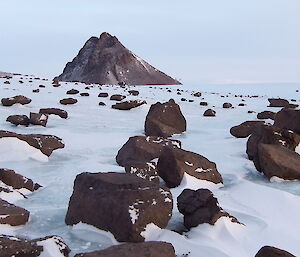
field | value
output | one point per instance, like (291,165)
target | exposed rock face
(12,215)
(143,149)
(200,207)
(67,101)
(209,113)
(18,120)
(279,161)
(145,170)
(227,105)
(245,129)
(266,115)
(164,120)
(120,203)
(270,135)
(174,162)
(17,181)
(56,111)
(128,105)
(105,60)
(38,119)
(45,143)
(117,97)
(145,249)
(19,99)
(269,251)
(288,119)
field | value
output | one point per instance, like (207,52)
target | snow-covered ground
(93,135)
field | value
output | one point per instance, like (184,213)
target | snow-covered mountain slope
(93,135)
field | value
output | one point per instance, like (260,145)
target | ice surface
(93,135)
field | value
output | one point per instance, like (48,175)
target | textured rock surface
(18,120)
(288,119)
(19,99)
(105,60)
(55,111)
(12,215)
(269,251)
(245,129)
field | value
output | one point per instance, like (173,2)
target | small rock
(209,113)
(103,95)
(117,97)
(269,251)
(72,92)
(67,101)
(128,105)
(18,120)
(55,111)
(38,119)
(19,99)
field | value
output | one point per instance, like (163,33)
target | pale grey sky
(196,40)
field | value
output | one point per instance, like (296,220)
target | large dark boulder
(45,143)
(174,162)
(266,115)
(227,105)
(269,251)
(18,99)
(12,215)
(105,60)
(120,203)
(288,119)
(117,97)
(143,149)
(278,102)
(18,120)
(278,161)
(67,101)
(200,206)
(40,119)
(17,181)
(56,111)
(128,105)
(145,170)
(145,249)
(245,129)
(209,113)
(164,120)
(103,94)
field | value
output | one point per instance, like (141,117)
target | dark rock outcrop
(103,95)
(174,162)
(128,105)
(105,60)
(55,111)
(200,206)
(288,119)
(203,103)
(67,101)
(164,120)
(143,149)
(117,97)
(45,143)
(12,215)
(269,251)
(120,203)
(38,119)
(266,115)
(18,120)
(245,129)
(145,249)
(278,102)
(19,99)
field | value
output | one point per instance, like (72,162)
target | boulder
(164,120)
(12,215)
(67,101)
(117,97)
(103,95)
(84,94)
(227,105)
(19,99)
(18,120)
(120,203)
(133,92)
(174,162)
(197,94)
(72,92)
(200,206)
(45,143)
(102,104)
(35,90)
(128,105)
(209,113)
(203,103)
(145,249)
(245,129)
(288,119)
(145,170)
(266,115)
(278,161)
(269,251)
(55,111)
(38,119)
(17,181)
(143,149)
(278,102)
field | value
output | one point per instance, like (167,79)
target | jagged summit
(105,60)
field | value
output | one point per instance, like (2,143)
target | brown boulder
(18,120)
(103,95)
(72,92)
(278,102)
(66,101)
(164,120)
(12,215)
(117,97)
(269,251)
(56,111)
(134,92)
(197,94)
(120,203)
(203,103)
(145,170)
(143,149)
(266,115)
(38,119)
(288,119)
(45,143)
(245,129)
(19,99)
(35,90)
(227,105)
(128,105)
(145,249)
(174,162)
(84,94)
(209,113)
(102,104)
